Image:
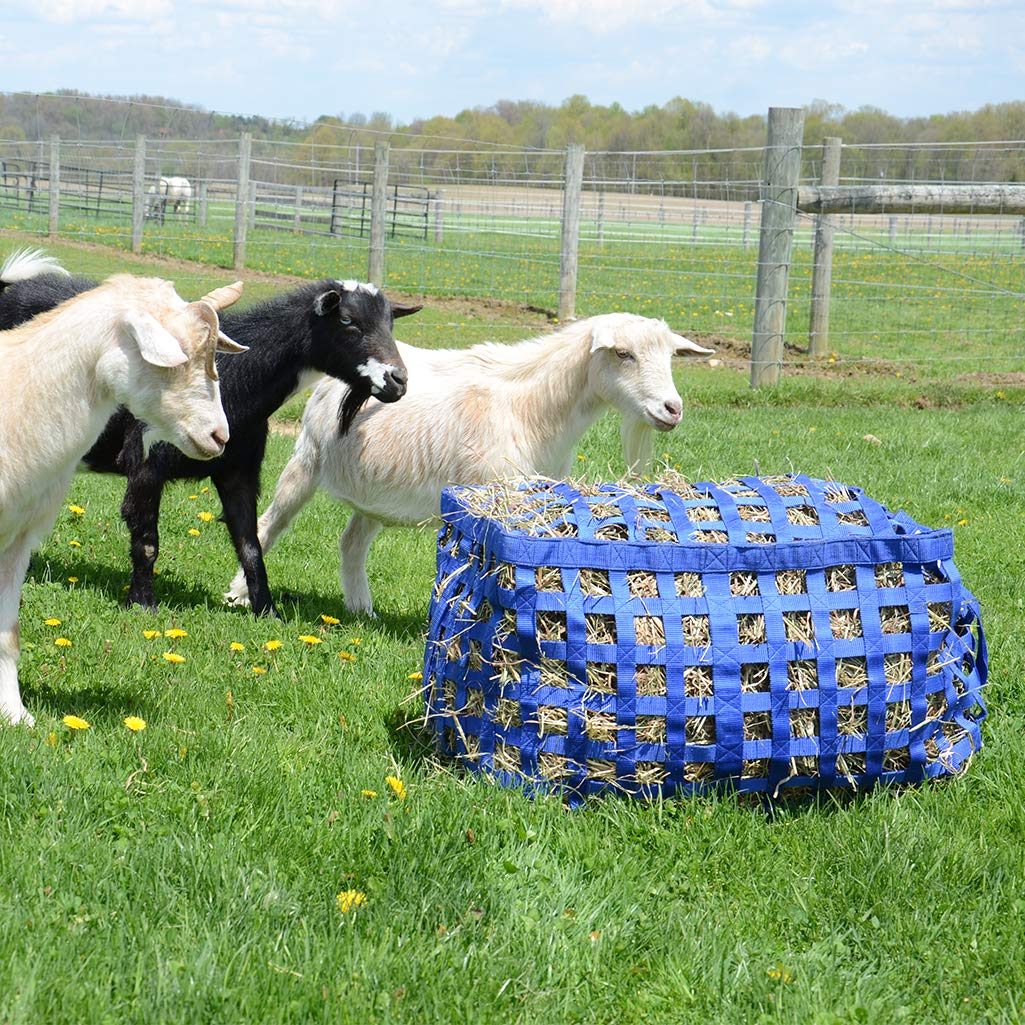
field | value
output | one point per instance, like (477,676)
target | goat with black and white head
(339,328)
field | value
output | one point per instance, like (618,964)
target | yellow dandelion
(76,509)
(62,642)
(51,622)
(135,724)
(172,656)
(310,639)
(272,645)
(150,634)
(72,580)
(347,656)
(192,498)
(206,517)
(349,899)
(356,640)
(329,620)
(75,544)
(193,532)
(204,491)
(235,646)
(397,786)
(415,676)
(51,740)
(176,632)
(73,722)
(369,793)
(259,670)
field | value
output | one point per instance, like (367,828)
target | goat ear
(156,344)
(398,310)
(326,302)
(225,344)
(685,346)
(602,339)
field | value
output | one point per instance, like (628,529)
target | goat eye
(624,355)
(345,321)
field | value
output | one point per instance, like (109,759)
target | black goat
(340,328)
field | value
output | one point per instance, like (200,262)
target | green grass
(190,872)
(928,308)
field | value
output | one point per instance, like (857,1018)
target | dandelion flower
(73,722)
(62,642)
(272,645)
(415,676)
(206,517)
(51,622)
(329,620)
(150,634)
(193,532)
(397,786)
(347,656)
(259,670)
(235,646)
(349,899)
(135,724)
(176,632)
(171,656)
(76,509)
(356,640)
(51,740)
(310,639)
(369,793)
(75,544)
(72,580)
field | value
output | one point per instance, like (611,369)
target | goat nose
(674,407)
(398,378)
(219,436)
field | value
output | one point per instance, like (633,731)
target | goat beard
(355,399)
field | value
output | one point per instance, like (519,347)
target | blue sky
(302,58)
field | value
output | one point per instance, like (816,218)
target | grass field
(244,858)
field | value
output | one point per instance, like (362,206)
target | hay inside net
(770,633)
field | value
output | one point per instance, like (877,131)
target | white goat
(470,415)
(131,341)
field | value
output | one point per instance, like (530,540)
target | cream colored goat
(470,415)
(131,341)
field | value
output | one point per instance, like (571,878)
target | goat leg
(141,512)
(354,548)
(13,564)
(238,501)
(296,486)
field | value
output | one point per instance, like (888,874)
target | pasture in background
(245,857)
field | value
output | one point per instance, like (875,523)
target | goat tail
(27,263)
(355,399)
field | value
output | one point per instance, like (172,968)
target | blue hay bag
(767,634)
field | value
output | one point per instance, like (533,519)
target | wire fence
(668,234)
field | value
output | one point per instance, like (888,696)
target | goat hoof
(236,600)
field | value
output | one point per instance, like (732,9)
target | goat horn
(222,297)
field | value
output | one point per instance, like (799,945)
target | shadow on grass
(113,582)
(100,706)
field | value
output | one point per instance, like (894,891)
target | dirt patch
(1012,379)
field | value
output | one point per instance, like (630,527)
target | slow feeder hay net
(772,633)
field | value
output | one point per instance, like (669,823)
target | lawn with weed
(278,844)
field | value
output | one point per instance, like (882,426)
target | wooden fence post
(779,211)
(252,204)
(55,185)
(570,232)
(245,151)
(439,216)
(297,219)
(378,214)
(138,193)
(202,203)
(822,272)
